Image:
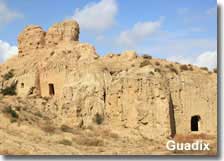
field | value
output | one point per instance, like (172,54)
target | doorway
(51,89)
(195,123)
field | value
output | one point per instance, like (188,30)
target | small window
(195,123)
(22,85)
(51,89)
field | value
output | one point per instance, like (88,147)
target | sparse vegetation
(38,114)
(157,70)
(88,141)
(183,67)
(65,142)
(145,56)
(157,63)
(48,128)
(98,119)
(66,128)
(9,110)
(11,90)
(8,75)
(190,67)
(173,69)
(204,68)
(144,63)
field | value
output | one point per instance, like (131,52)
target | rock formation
(146,96)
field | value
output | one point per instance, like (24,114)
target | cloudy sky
(183,31)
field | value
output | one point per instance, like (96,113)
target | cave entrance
(51,89)
(195,123)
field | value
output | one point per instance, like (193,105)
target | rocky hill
(58,96)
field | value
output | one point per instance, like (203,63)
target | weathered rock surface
(68,83)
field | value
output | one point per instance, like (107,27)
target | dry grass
(88,141)
(48,128)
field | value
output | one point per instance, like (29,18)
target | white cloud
(97,17)
(138,32)
(6,50)
(7,15)
(205,59)
(208,59)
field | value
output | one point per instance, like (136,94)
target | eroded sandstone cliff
(68,83)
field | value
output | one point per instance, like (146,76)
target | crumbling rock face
(152,97)
(32,38)
(67,30)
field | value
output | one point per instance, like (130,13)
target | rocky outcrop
(67,31)
(34,37)
(31,38)
(146,96)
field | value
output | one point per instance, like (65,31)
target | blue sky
(178,30)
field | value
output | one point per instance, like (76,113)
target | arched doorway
(195,122)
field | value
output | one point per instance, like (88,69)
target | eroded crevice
(172,117)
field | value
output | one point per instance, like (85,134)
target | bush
(157,63)
(184,67)
(9,110)
(215,70)
(145,56)
(157,70)
(11,90)
(144,63)
(98,119)
(191,68)
(8,75)
(66,128)
(65,142)
(204,68)
(173,69)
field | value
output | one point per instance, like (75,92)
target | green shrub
(11,90)
(8,75)
(66,128)
(98,119)
(65,142)
(157,70)
(9,110)
(145,56)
